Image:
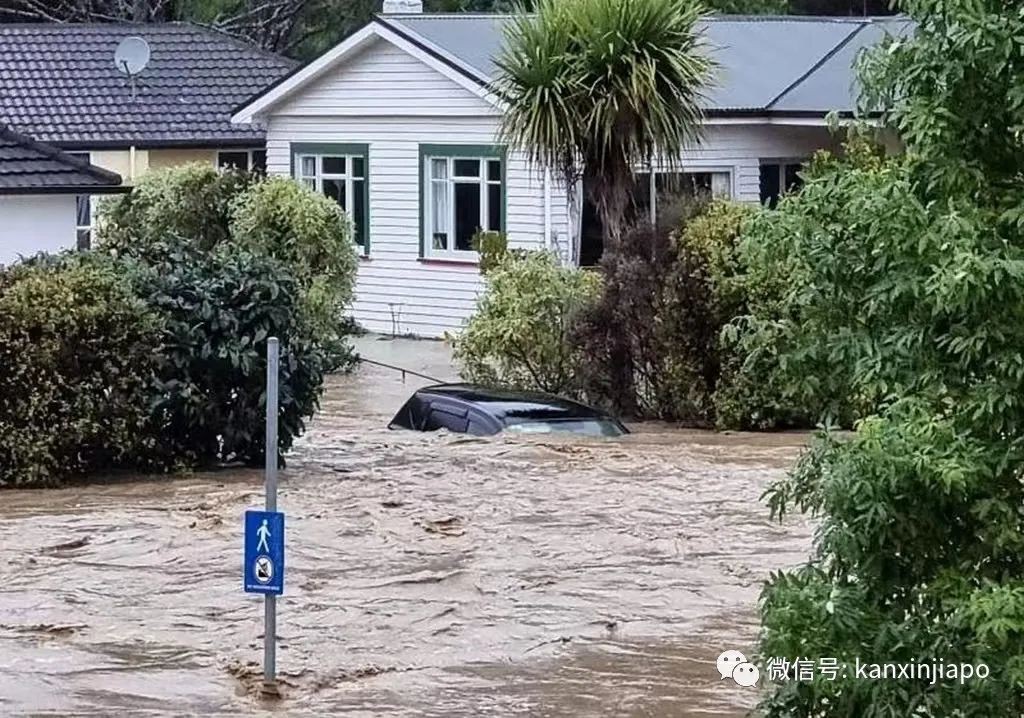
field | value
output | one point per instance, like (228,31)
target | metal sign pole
(270,600)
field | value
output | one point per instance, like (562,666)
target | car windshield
(588,427)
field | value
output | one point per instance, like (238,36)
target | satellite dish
(132,55)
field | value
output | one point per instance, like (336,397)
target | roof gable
(59,84)
(31,167)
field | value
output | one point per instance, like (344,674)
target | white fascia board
(336,55)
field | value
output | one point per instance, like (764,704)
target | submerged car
(471,409)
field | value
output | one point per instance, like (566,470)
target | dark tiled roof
(767,63)
(28,167)
(58,84)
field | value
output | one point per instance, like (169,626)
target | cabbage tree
(597,88)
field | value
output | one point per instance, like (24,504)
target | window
(778,178)
(84,211)
(341,172)
(463,193)
(716,182)
(254,160)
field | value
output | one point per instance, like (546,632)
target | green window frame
(340,171)
(448,174)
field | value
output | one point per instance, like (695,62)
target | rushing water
(428,574)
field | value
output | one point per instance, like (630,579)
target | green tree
(596,88)
(908,287)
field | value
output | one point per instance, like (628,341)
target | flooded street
(427,575)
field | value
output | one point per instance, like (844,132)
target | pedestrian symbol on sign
(263,532)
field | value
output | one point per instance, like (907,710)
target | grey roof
(58,84)
(31,167)
(785,64)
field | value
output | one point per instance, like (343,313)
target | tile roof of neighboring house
(768,64)
(31,167)
(58,83)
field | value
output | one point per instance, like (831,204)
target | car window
(442,416)
(587,427)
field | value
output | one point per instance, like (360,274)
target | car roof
(513,405)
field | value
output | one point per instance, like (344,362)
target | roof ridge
(821,61)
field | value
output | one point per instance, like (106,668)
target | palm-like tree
(598,88)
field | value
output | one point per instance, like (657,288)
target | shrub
(309,233)
(192,202)
(519,335)
(218,309)
(645,340)
(77,351)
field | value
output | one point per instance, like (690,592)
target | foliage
(192,201)
(911,293)
(77,351)
(492,248)
(649,340)
(219,308)
(208,209)
(595,88)
(308,232)
(519,335)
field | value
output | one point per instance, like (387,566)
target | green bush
(78,352)
(192,202)
(519,335)
(309,233)
(218,308)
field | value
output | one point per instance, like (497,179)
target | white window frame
(687,169)
(315,181)
(91,227)
(782,163)
(484,183)
(250,153)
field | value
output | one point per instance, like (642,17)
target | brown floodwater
(427,574)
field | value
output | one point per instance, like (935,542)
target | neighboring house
(398,125)
(59,85)
(39,185)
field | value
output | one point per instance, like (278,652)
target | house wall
(393,102)
(35,223)
(120,160)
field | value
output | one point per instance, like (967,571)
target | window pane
(358,167)
(770,188)
(494,207)
(467,215)
(335,189)
(310,182)
(467,168)
(309,166)
(494,170)
(238,160)
(720,184)
(359,211)
(259,161)
(334,165)
(84,239)
(793,181)
(439,215)
(439,169)
(83,206)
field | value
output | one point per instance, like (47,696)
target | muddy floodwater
(427,574)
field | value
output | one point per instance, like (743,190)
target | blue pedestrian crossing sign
(264,552)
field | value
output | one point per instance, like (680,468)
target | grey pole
(269,600)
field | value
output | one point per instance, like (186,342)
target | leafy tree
(596,88)
(909,289)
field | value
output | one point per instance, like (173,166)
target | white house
(398,125)
(39,185)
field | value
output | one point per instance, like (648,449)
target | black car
(471,409)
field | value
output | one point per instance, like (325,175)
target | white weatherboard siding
(393,102)
(35,223)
